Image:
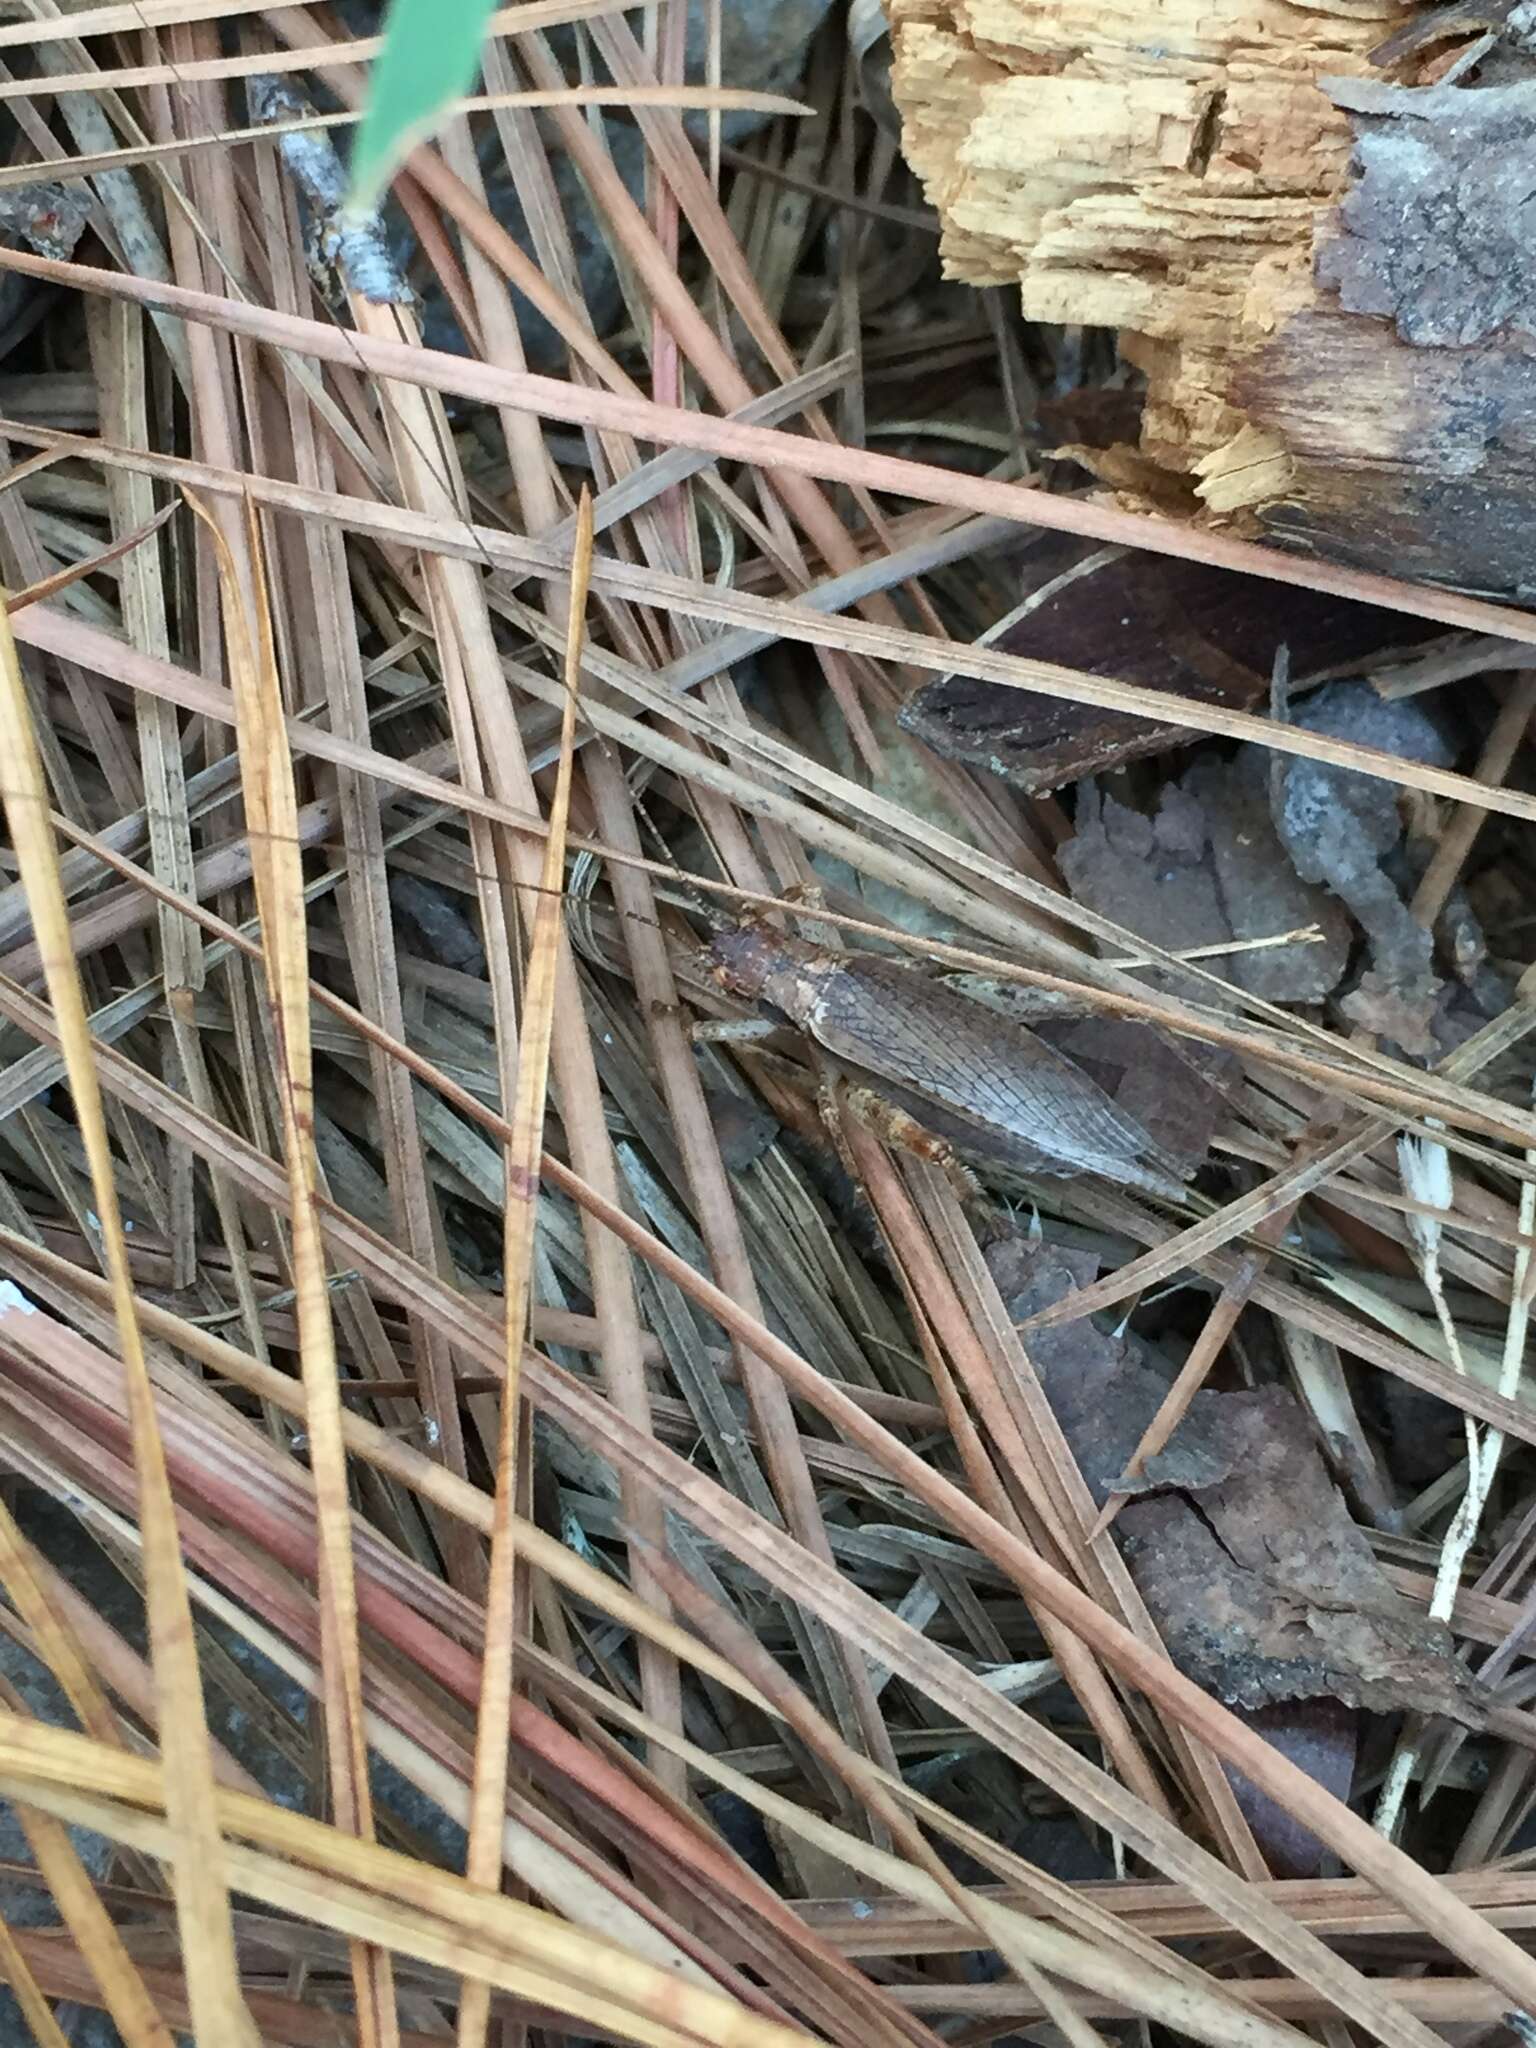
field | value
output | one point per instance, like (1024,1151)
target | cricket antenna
(683,890)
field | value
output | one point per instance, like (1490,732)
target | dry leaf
(1204,868)
(1263,1587)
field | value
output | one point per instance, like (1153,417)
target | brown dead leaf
(1267,1591)
(1206,867)
(1177,1090)
(1262,1586)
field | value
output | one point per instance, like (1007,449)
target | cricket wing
(956,1053)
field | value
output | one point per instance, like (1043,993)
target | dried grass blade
(106,162)
(1178,1995)
(197,1860)
(789,1567)
(131,17)
(301,1865)
(431,1480)
(271,802)
(1416,1367)
(123,1991)
(778,618)
(803,1577)
(523,1154)
(26,1587)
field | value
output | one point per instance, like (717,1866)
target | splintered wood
(1174,169)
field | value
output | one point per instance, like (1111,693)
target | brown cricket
(994,1091)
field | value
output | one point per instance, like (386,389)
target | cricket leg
(839,1097)
(733,1030)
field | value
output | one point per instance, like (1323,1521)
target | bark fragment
(1207,867)
(1201,634)
(1436,233)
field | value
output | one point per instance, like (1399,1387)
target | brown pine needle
(620,1500)
(271,802)
(197,1848)
(523,1155)
(50,586)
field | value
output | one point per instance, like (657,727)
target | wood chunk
(1177,173)
(1182,628)
(1420,461)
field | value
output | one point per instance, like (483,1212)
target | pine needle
(523,1156)
(197,1849)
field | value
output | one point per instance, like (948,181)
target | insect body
(1000,1095)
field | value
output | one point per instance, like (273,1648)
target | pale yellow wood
(1158,166)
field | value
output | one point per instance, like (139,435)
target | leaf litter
(762,1203)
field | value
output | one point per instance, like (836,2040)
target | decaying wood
(1299,220)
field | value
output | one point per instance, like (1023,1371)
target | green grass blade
(430,55)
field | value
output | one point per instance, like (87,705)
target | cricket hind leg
(840,1096)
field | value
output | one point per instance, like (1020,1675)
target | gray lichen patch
(1436,233)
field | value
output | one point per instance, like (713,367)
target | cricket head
(746,958)
(762,965)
